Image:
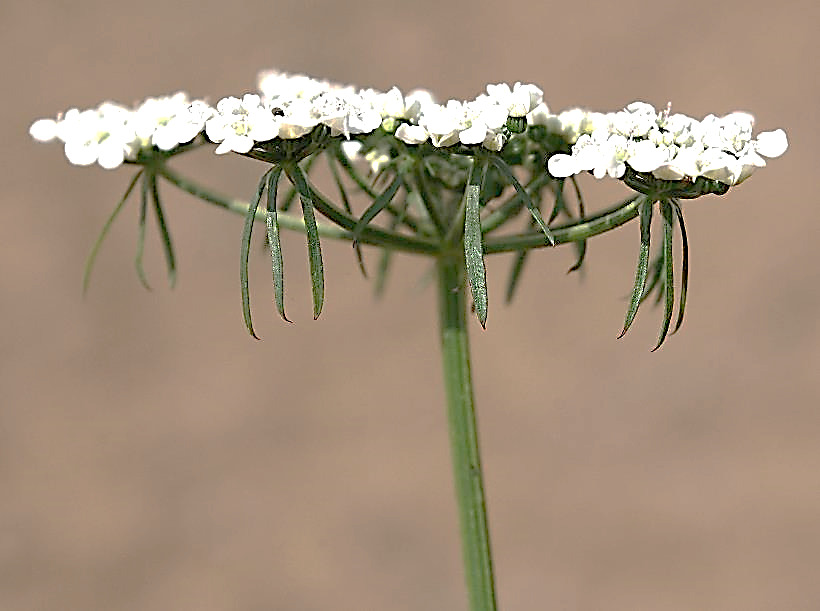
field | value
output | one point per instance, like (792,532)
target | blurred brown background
(153,456)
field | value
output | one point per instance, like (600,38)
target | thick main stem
(455,349)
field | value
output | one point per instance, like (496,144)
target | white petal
(351,148)
(223,148)
(772,144)
(668,171)
(215,129)
(494,141)
(474,134)
(540,115)
(43,130)
(644,156)
(240,144)
(81,153)
(110,156)
(411,134)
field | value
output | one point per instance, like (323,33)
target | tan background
(152,456)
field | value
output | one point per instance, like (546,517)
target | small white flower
(563,166)
(635,121)
(601,153)
(411,134)
(719,165)
(183,126)
(443,123)
(415,102)
(238,124)
(169,121)
(685,163)
(540,115)
(276,85)
(101,135)
(518,101)
(646,156)
(390,104)
(730,133)
(573,123)
(494,141)
(682,128)
(611,157)
(483,119)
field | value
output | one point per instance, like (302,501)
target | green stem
(371,235)
(455,349)
(569,232)
(575,231)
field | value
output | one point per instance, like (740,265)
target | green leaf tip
(317,276)
(534,211)
(684,285)
(274,243)
(379,204)
(669,276)
(643,264)
(244,251)
(95,249)
(165,235)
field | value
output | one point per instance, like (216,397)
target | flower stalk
(464,444)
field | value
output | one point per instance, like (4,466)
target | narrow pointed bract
(334,171)
(515,274)
(141,232)
(534,211)
(165,236)
(473,247)
(274,244)
(317,274)
(580,245)
(669,275)
(643,263)
(684,282)
(245,247)
(654,275)
(92,256)
(379,204)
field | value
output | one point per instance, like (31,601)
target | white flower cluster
(668,146)
(478,121)
(111,134)
(416,117)
(288,106)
